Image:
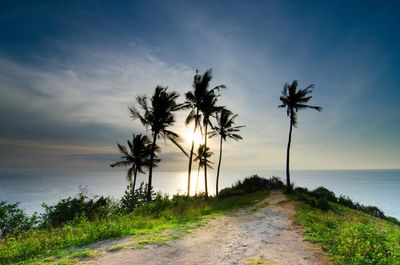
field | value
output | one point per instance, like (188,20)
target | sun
(189,135)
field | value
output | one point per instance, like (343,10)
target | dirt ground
(264,232)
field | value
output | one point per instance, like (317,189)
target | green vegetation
(251,184)
(159,221)
(255,261)
(13,220)
(348,236)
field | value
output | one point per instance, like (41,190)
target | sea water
(380,188)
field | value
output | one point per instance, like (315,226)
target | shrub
(134,198)
(73,207)
(346,201)
(13,220)
(228,192)
(320,203)
(322,192)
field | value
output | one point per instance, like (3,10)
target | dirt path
(264,232)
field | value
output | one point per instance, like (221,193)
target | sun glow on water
(196,181)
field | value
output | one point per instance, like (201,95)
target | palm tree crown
(226,126)
(294,99)
(202,155)
(159,115)
(137,156)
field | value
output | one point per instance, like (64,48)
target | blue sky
(70,69)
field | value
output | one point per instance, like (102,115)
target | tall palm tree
(225,128)
(157,117)
(137,156)
(208,108)
(194,100)
(202,155)
(293,100)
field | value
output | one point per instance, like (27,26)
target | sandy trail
(265,232)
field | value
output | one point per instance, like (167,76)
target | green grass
(350,237)
(255,261)
(148,224)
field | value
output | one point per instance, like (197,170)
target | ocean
(380,188)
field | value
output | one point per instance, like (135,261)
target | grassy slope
(150,223)
(350,237)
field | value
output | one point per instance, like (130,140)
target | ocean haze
(370,187)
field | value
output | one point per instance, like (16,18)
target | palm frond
(121,164)
(129,174)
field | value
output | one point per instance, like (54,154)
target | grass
(256,261)
(351,237)
(148,224)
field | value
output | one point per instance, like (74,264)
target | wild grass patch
(351,237)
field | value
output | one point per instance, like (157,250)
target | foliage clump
(79,206)
(13,220)
(134,197)
(252,184)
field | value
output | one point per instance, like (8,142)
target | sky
(69,70)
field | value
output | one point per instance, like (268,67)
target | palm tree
(226,129)
(194,100)
(137,157)
(203,153)
(293,100)
(208,108)
(158,117)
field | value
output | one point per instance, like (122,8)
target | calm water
(371,187)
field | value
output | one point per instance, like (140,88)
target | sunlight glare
(198,139)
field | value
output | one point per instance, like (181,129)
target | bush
(322,192)
(320,203)
(228,192)
(79,206)
(256,183)
(13,220)
(346,201)
(134,198)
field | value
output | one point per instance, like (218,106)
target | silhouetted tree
(137,157)
(158,117)
(208,108)
(194,101)
(202,155)
(293,100)
(225,128)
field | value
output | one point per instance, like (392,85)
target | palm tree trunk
(288,186)
(205,158)
(191,154)
(153,145)
(219,164)
(197,179)
(134,179)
